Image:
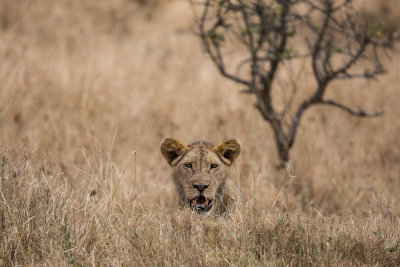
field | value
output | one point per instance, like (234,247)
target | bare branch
(317,47)
(215,56)
(352,60)
(359,113)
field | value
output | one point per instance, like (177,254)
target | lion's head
(202,174)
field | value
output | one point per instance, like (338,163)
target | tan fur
(194,166)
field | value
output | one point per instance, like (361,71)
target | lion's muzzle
(201,204)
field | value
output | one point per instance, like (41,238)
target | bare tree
(333,40)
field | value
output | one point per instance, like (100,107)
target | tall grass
(45,219)
(73,192)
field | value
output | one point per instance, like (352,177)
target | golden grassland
(88,89)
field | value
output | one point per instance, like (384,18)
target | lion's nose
(201,187)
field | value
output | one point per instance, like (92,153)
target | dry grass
(96,80)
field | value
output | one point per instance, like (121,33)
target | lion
(203,175)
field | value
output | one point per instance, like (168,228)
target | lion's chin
(201,204)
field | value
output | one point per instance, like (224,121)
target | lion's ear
(172,150)
(229,150)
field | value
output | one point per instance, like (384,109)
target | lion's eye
(214,166)
(188,165)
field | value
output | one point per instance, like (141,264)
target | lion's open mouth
(200,204)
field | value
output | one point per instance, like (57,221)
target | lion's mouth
(200,204)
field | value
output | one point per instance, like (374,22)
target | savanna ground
(88,89)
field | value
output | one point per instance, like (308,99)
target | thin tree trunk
(282,145)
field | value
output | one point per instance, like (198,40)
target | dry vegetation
(98,84)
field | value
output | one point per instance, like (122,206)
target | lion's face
(201,174)
(201,171)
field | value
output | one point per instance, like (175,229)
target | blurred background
(79,79)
